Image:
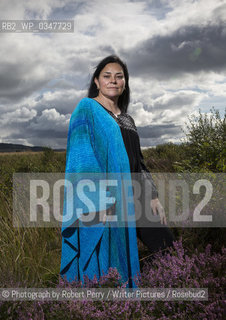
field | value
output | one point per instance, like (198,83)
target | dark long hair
(124,98)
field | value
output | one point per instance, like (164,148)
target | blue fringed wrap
(95,149)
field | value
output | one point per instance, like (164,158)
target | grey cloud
(54,138)
(158,8)
(175,102)
(154,135)
(13,85)
(77,63)
(188,50)
(156,131)
(30,134)
(64,105)
(68,10)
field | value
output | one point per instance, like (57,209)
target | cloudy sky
(175,51)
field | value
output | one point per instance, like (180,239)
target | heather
(174,268)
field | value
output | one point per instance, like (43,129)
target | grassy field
(33,254)
(30,257)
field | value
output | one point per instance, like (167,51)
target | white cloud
(50,119)
(28,9)
(22,114)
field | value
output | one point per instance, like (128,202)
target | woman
(103,139)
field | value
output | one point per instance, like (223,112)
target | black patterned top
(132,145)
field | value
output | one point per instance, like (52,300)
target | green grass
(27,255)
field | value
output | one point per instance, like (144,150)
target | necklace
(115,114)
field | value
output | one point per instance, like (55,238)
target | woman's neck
(109,104)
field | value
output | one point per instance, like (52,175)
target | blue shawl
(95,149)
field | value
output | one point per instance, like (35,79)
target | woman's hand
(109,212)
(158,208)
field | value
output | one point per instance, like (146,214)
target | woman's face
(111,82)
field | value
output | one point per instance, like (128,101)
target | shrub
(206,140)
